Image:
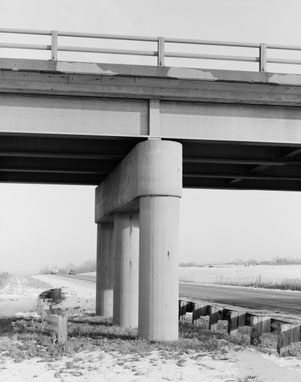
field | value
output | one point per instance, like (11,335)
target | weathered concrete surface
(234,123)
(143,172)
(52,114)
(105,69)
(118,100)
(72,116)
(105,270)
(126,285)
(158,268)
(138,118)
(139,81)
(151,177)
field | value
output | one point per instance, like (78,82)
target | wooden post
(185,307)
(241,321)
(289,334)
(62,329)
(57,326)
(214,317)
(182,308)
(199,311)
(259,325)
(233,323)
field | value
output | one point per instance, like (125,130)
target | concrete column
(158,268)
(149,178)
(126,248)
(104,270)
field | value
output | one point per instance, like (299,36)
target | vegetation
(271,276)
(286,284)
(275,261)
(23,339)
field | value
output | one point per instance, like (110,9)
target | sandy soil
(235,365)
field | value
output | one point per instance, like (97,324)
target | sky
(54,225)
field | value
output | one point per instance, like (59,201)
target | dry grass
(285,277)
(24,339)
(287,284)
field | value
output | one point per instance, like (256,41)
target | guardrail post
(160,51)
(263,58)
(54,36)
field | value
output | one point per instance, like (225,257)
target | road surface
(249,298)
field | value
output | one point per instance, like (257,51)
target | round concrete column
(126,248)
(158,268)
(104,270)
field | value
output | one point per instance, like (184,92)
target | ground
(98,351)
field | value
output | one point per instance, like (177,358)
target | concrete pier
(149,182)
(126,249)
(105,270)
(158,270)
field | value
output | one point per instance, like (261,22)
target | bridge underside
(28,158)
(72,123)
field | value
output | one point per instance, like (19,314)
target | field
(286,277)
(99,351)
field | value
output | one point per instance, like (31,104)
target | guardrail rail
(56,320)
(287,332)
(260,56)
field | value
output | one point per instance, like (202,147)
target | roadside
(98,351)
(20,295)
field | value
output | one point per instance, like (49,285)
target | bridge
(140,133)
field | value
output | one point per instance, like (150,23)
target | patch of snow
(92,366)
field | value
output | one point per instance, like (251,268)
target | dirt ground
(98,351)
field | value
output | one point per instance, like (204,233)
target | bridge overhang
(72,123)
(147,82)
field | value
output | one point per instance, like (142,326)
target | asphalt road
(249,298)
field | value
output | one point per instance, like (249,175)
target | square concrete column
(105,270)
(126,248)
(158,268)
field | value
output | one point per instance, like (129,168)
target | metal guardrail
(54,317)
(287,332)
(260,57)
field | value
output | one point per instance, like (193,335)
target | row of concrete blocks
(287,332)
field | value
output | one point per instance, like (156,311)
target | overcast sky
(42,225)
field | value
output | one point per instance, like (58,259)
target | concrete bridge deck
(72,123)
